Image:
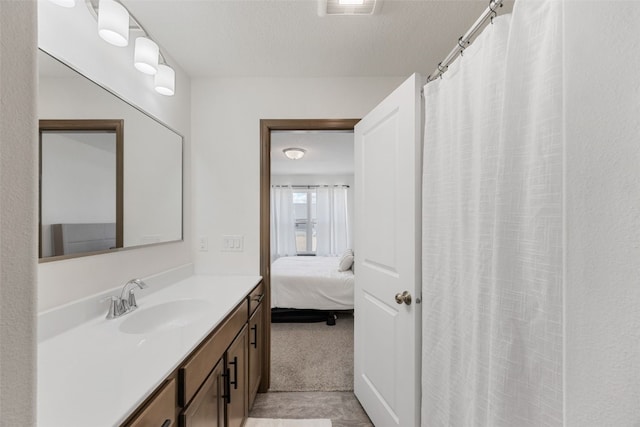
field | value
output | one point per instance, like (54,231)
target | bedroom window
(304,204)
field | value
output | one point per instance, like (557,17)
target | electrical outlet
(203,244)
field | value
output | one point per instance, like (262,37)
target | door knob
(404,297)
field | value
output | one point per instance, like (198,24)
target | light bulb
(113,23)
(146,55)
(165,80)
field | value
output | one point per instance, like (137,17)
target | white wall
(18,217)
(602,300)
(226,134)
(71,35)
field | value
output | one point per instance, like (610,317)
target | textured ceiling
(287,38)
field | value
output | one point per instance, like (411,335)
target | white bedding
(311,282)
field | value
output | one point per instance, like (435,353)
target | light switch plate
(232,243)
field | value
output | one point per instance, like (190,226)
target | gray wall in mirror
(152,173)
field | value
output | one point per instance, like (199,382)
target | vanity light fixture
(113,23)
(64,3)
(165,80)
(294,153)
(146,55)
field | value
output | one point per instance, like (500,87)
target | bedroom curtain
(283,223)
(333,231)
(492,228)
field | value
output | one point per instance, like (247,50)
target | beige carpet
(312,356)
(269,422)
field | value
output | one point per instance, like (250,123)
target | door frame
(266,126)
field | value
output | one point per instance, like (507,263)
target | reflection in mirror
(142,203)
(81,186)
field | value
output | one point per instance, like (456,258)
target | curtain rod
(309,186)
(465,41)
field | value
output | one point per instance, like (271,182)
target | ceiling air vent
(348,7)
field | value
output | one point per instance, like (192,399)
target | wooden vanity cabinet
(160,410)
(215,383)
(207,407)
(237,388)
(193,373)
(256,344)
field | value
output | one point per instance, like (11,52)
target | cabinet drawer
(207,407)
(255,297)
(161,411)
(193,373)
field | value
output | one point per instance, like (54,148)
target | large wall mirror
(110,175)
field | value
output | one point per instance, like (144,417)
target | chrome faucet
(127,296)
(126,302)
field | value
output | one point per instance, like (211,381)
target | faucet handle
(132,300)
(115,308)
(129,299)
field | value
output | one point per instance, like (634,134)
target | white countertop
(95,375)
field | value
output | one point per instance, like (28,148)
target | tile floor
(342,408)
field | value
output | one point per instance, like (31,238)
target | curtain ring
(492,8)
(462,46)
(441,68)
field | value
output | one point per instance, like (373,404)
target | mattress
(311,282)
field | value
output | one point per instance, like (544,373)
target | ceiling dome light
(113,23)
(165,80)
(146,55)
(294,153)
(64,3)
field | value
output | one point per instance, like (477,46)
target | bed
(310,283)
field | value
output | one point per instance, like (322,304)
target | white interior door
(387,258)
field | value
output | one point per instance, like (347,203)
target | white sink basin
(169,315)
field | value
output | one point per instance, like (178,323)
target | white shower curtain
(283,223)
(333,231)
(492,228)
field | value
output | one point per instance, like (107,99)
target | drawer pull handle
(235,374)
(254,328)
(166,423)
(258,298)
(226,393)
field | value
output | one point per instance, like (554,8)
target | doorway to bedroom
(307,186)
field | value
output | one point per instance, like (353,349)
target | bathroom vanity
(189,355)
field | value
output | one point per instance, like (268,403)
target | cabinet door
(237,400)
(255,353)
(207,407)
